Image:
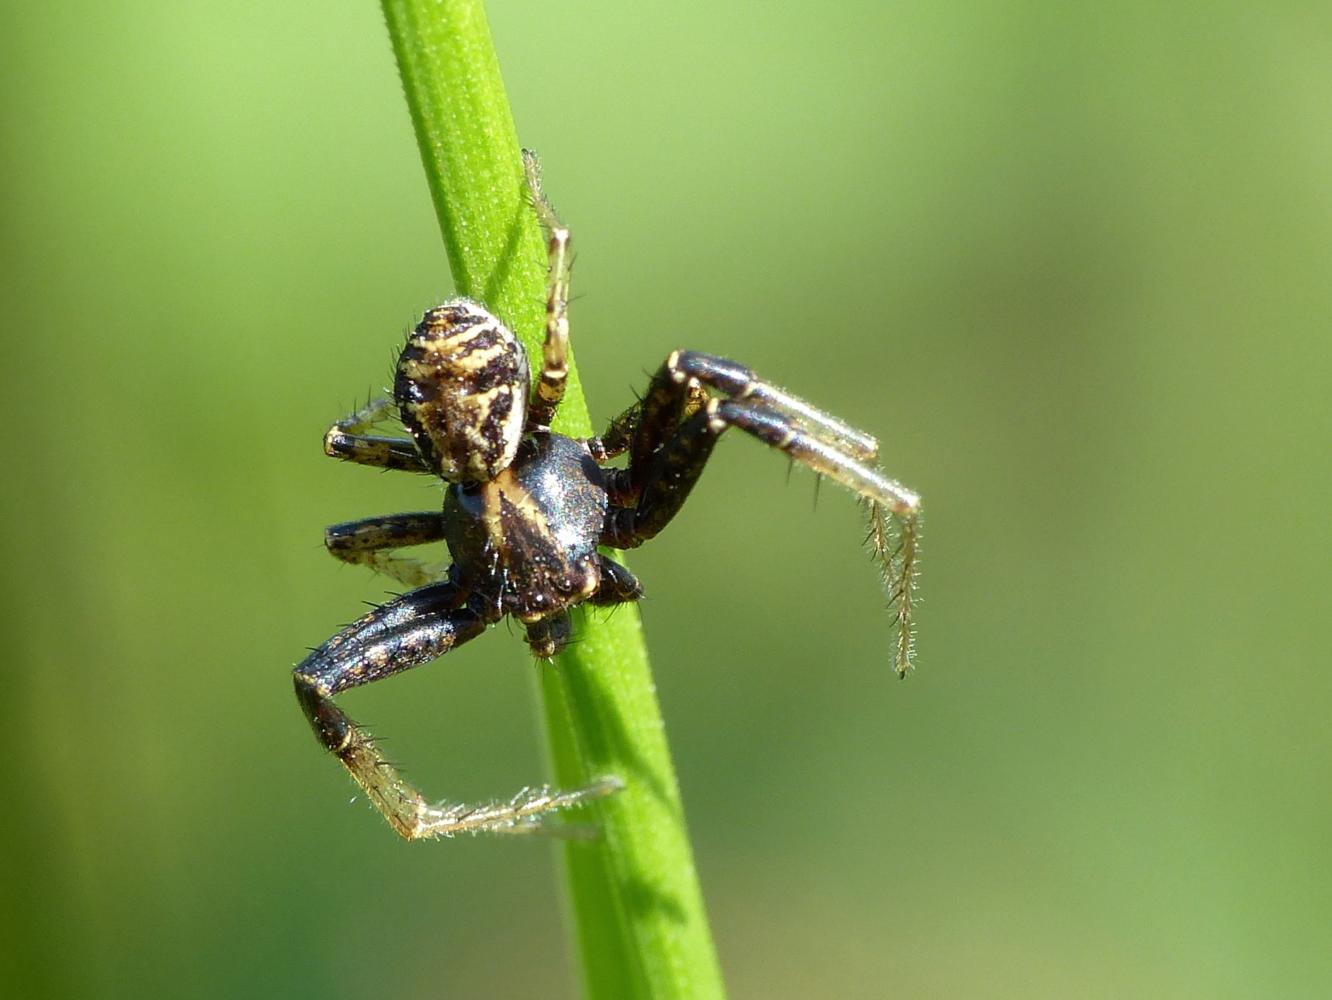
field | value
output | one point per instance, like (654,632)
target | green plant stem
(641,928)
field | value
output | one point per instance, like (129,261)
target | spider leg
(405,633)
(664,480)
(622,485)
(367,540)
(347,440)
(671,445)
(549,389)
(675,393)
(617,437)
(895,552)
(618,585)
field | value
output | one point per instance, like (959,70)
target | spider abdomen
(530,533)
(461,389)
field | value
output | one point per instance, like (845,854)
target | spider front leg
(895,552)
(367,540)
(549,389)
(673,440)
(347,440)
(676,392)
(405,633)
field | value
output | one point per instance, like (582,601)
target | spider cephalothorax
(526,510)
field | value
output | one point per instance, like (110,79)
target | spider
(526,512)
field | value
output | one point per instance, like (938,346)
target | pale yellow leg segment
(416,819)
(368,543)
(893,510)
(555,351)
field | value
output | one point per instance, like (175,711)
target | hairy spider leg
(348,441)
(897,562)
(367,540)
(617,437)
(405,633)
(671,446)
(550,386)
(623,486)
(738,382)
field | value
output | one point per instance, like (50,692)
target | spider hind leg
(405,633)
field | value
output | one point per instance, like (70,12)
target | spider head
(461,388)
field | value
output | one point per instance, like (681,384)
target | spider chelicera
(526,510)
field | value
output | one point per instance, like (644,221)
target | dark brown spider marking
(461,385)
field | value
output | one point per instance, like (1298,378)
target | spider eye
(461,389)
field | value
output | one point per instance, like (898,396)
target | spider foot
(893,542)
(524,812)
(414,818)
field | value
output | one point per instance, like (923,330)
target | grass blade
(640,924)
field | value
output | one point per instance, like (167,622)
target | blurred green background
(1070,262)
